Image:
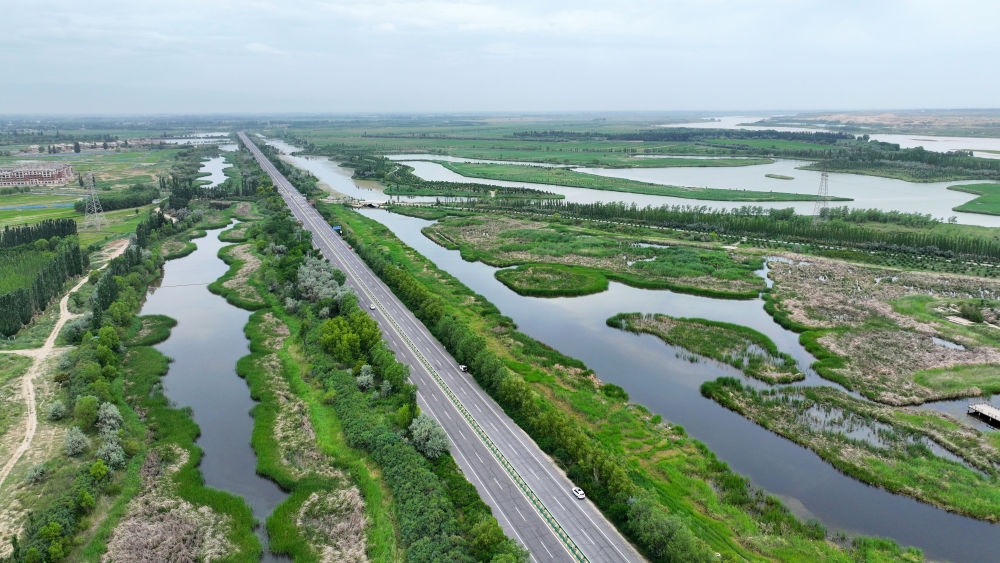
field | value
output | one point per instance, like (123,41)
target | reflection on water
(214,166)
(660,377)
(204,347)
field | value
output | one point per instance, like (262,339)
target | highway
(529,495)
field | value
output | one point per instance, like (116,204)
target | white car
(578,493)
(371,306)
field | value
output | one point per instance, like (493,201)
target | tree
(85,410)
(428,436)
(75,442)
(109,419)
(76,146)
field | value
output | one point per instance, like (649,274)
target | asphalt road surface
(530,496)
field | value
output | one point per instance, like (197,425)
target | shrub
(76,442)
(57,410)
(36,474)
(428,436)
(85,411)
(113,454)
(109,420)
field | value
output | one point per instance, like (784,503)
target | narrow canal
(204,347)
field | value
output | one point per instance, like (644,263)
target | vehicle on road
(578,493)
(371,306)
(463,367)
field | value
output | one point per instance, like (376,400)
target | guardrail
(567,541)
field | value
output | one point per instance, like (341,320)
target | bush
(428,436)
(57,410)
(112,454)
(76,442)
(109,420)
(85,411)
(36,474)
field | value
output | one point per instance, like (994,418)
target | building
(36,174)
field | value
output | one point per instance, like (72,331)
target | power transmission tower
(94,216)
(823,197)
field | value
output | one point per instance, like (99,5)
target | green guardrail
(484,437)
(568,542)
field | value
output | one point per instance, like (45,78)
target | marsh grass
(741,347)
(552,280)
(898,462)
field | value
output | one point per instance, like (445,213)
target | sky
(109,57)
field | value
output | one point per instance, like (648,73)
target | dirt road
(40,357)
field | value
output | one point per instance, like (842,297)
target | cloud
(263,48)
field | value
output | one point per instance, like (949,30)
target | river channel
(204,346)
(661,378)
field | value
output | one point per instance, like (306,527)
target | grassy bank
(564,177)
(558,402)
(903,451)
(575,257)
(741,347)
(988,202)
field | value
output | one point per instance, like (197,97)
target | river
(661,378)
(204,346)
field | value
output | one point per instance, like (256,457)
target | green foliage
(428,436)
(57,410)
(76,442)
(552,280)
(665,537)
(85,411)
(31,275)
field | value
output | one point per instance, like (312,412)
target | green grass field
(987,203)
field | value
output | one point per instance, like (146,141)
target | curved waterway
(661,378)
(204,346)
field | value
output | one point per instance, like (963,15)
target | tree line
(662,536)
(59,259)
(45,229)
(771,224)
(135,195)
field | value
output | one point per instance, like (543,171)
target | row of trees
(19,305)
(370,392)
(776,224)
(46,229)
(135,195)
(662,536)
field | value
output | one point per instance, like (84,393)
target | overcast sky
(201,56)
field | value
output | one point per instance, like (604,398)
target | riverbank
(641,261)
(564,177)
(721,508)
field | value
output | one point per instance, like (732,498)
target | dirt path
(40,357)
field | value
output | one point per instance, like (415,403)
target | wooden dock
(986,411)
